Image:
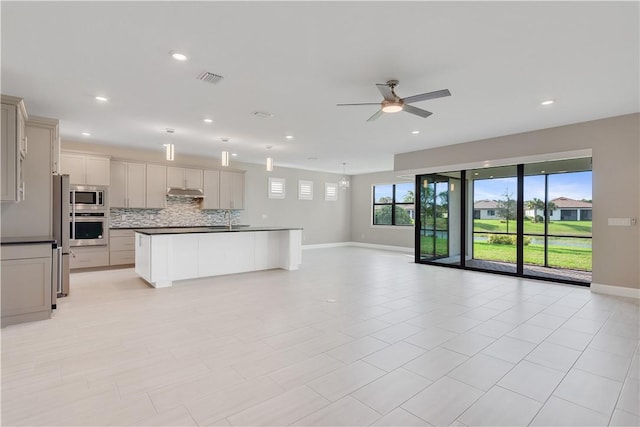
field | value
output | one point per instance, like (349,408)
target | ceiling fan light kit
(392,103)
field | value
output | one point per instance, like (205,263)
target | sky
(574,185)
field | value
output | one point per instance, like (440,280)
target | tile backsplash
(180,212)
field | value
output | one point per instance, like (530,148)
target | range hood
(194,193)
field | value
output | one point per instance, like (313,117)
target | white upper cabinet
(156,186)
(85,169)
(193,178)
(14,148)
(128,185)
(184,177)
(231,190)
(211,190)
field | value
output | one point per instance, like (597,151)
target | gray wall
(361,213)
(615,147)
(322,221)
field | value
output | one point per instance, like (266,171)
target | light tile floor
(403,344)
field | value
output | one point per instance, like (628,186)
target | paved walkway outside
(533,270)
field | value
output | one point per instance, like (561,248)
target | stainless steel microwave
(88,197)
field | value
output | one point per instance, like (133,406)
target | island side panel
(226,253)
(184,256)
(291,253)
(143,256)
(267,249)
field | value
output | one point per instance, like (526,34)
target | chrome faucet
(227,212)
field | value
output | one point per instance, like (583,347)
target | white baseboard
(382,247)
(619,291)
(326,245)
(360,245)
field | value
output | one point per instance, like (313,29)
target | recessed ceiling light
(541,171)
(179,56)
(415,132)
(86,134)
(234,154)
(289,136)
(101,99)
(548,102)
(207,120)
(491,176)
(225,140)
(476,174)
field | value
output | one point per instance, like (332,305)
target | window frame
(393,205)
(273,183)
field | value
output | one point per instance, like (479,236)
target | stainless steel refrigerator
(61,231)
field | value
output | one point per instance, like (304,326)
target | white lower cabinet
(26,283)
(89,256)
(122,247)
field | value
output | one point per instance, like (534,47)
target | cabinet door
(237,190)
(231,190)
(225,190)
(211,190)
(97,171)
(9,153)
(175,177)
(193,178)
(26,286)
(156,186)
(74,166)
(136,185)
(118,187)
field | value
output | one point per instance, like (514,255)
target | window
(393,204)
(305,190)
(330,191)
(491,212)
(276,188)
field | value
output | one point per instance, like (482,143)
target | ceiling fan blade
(362,103)
(424,96)
(375,116)
(417,111)
(386,92)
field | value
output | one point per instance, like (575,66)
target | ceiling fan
(392,103)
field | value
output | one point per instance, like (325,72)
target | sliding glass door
(440,215)
(494,192)
(529,220)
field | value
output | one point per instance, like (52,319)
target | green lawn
(426,245)
(579,228)
(574,258)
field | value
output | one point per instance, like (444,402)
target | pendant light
(170,149)
(225,158)
(344,182)
(170,152)
(269,161)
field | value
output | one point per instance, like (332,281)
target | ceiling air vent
(208,77)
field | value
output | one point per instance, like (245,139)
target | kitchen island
(164,255)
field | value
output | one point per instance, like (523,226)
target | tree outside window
(394,204)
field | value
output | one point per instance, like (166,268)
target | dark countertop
(31,240)
(215,229)
(148,227)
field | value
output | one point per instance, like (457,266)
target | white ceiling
(297,60)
